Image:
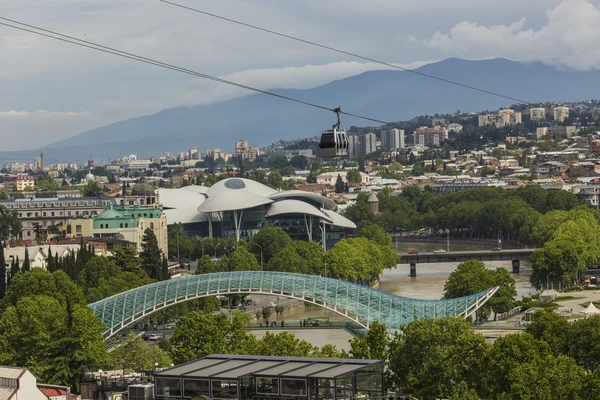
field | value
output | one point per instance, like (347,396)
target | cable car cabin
(334,143)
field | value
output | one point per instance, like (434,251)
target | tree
(583,336)
(134,353)
(4,195)
(39,282)
(199,335)
(92,189)
(164,269)
(151,255)
(471,277)
(52,339)
(10,225)
(299,257)
(271,240)
(339,185)
(26,265)
(242,260)
(2,272)
(552,329)
(206,266)
(430,356)
(354,176)
(275,180)
(372,345)
(127,258)
(266,314)
(278,309)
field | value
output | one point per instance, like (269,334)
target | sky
(53,90)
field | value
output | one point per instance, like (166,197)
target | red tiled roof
(52,392)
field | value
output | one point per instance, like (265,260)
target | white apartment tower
(561,113)
(353,145)
(392,139)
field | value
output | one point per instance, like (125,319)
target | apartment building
(353,145)
(246,152)
(504,117)
(392,139)
(368,143)
(537,114)
(435,136)
(561,113)
(19,182)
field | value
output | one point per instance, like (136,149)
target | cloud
(568,39)
(42,114)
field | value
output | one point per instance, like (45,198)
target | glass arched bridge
(361,304)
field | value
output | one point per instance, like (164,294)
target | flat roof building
(267,377)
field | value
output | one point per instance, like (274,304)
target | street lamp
(261,255)
(216,247)
(447,240)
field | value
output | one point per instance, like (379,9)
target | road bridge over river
(514,255)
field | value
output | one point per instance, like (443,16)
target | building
(435,136)
(541,131)
(353,145)
(246,152)
(330,178)
(368,143)
(537,114)
(438,121)
(392,139)
(562,131)
(373,202)
(239,208)
(268,377)
(137,165)
(123,223)
(193,153)
(20,182)
(50,214)
(38,255)
(20,384)
(504,117)
(561,113)
(456,128)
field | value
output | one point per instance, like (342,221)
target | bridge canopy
(361,304)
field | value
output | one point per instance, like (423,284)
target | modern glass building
(239,208)
(264,378)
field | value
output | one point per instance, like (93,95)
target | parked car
(154,336)
(272,304)
(439,251)
(413,252)
(496,249)
(170,327)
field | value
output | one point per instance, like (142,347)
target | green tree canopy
(151,255)
(272,240)
(136,354)
(10,225)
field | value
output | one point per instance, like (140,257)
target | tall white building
(392,139)
(537,114)
(368,143)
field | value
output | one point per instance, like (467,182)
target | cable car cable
(464,85)
(124,54)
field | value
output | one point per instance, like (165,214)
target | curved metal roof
(339,220)
(236,185)
(228,200)
(295,207)
(326,202)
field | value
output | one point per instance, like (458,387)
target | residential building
(561,113)
(330,178)
(438,121)
(353,145)
(138,165)
(368,143)
(595,146)
(504,117)
(124,223)
(193,154)
(562,131)
(541,131)
(38,255)
(392,139)
(455,127)
(590,194)
(246,152)
(486,119)
(537,114)
(20,182)
(19,384)
(435,136)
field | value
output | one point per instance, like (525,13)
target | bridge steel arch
(361,304)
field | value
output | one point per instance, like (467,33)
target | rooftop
(237,366)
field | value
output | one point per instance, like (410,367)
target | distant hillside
(385,95)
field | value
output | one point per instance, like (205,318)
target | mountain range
(388,95)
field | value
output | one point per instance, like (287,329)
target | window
(267,385)
(52,213)
(121,225)
(151,225)
(224,389)
(29,214)
(77,228)
(68,212)
(126,225)
(167,387)
(193,388)
(101,226)
(294,387)
(36,214)
(76,212)
(44,214)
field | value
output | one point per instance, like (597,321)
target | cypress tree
(26,266)
(2,272)
(14,268)
(151,255)
(50,261)
(165,269)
